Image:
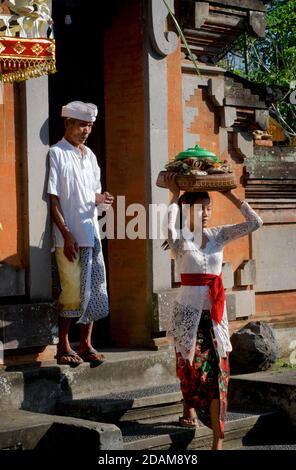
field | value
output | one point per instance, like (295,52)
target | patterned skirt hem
(70,313)
(207,377)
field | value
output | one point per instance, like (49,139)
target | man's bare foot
(91,355)
(68,357)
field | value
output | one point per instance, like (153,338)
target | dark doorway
(79,35)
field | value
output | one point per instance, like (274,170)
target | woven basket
(218,182)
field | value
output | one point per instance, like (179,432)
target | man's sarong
(83,284)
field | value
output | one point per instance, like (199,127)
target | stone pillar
(34,95)
(136,117)
(129,276)
(158,45)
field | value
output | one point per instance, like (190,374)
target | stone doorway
(79,35)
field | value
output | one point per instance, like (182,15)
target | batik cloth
(83,283)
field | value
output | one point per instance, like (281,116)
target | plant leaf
(182,36)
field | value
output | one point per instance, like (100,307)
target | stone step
(148,419)
(166,434)
(276,389)
(291,446)
(39,387)
(278,437)
(24,430)
(126,406)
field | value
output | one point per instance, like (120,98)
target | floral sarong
(208,376)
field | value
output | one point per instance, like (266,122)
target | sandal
(188,422)
(91,355)
(68,357)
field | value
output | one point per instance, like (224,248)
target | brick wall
(129,282)
(206,125)
(175,111)
(277,303)
(9,167)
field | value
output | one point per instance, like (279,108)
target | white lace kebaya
(190,258)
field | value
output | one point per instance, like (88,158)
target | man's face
(78,131)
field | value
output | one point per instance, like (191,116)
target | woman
(199,320)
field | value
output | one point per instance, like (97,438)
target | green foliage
(282,364)
(277,52)
(271,60)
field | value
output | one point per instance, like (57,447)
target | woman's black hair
(190,198)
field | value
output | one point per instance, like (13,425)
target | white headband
(79,110)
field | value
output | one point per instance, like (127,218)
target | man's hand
(70,247)
(105,198)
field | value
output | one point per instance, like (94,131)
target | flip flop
(188,422)
(91,355)
(65,358)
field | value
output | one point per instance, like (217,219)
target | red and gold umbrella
(24,53)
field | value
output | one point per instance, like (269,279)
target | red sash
(216,290)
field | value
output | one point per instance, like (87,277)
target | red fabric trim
(216,290)
(24,48)
(24,58)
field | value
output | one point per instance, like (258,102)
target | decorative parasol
(27,47)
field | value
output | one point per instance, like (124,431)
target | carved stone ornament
(202,12)
(164,42)
(216,90)
(243,143)
(228,116)
(257,23)
(261,117)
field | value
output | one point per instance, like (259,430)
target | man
(74,187)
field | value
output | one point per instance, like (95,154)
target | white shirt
(75,178)
(190,258)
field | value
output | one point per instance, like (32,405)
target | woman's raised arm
(227,233)
(172,213)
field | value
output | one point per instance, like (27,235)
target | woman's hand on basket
(170,178)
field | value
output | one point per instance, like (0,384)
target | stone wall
(271,188)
